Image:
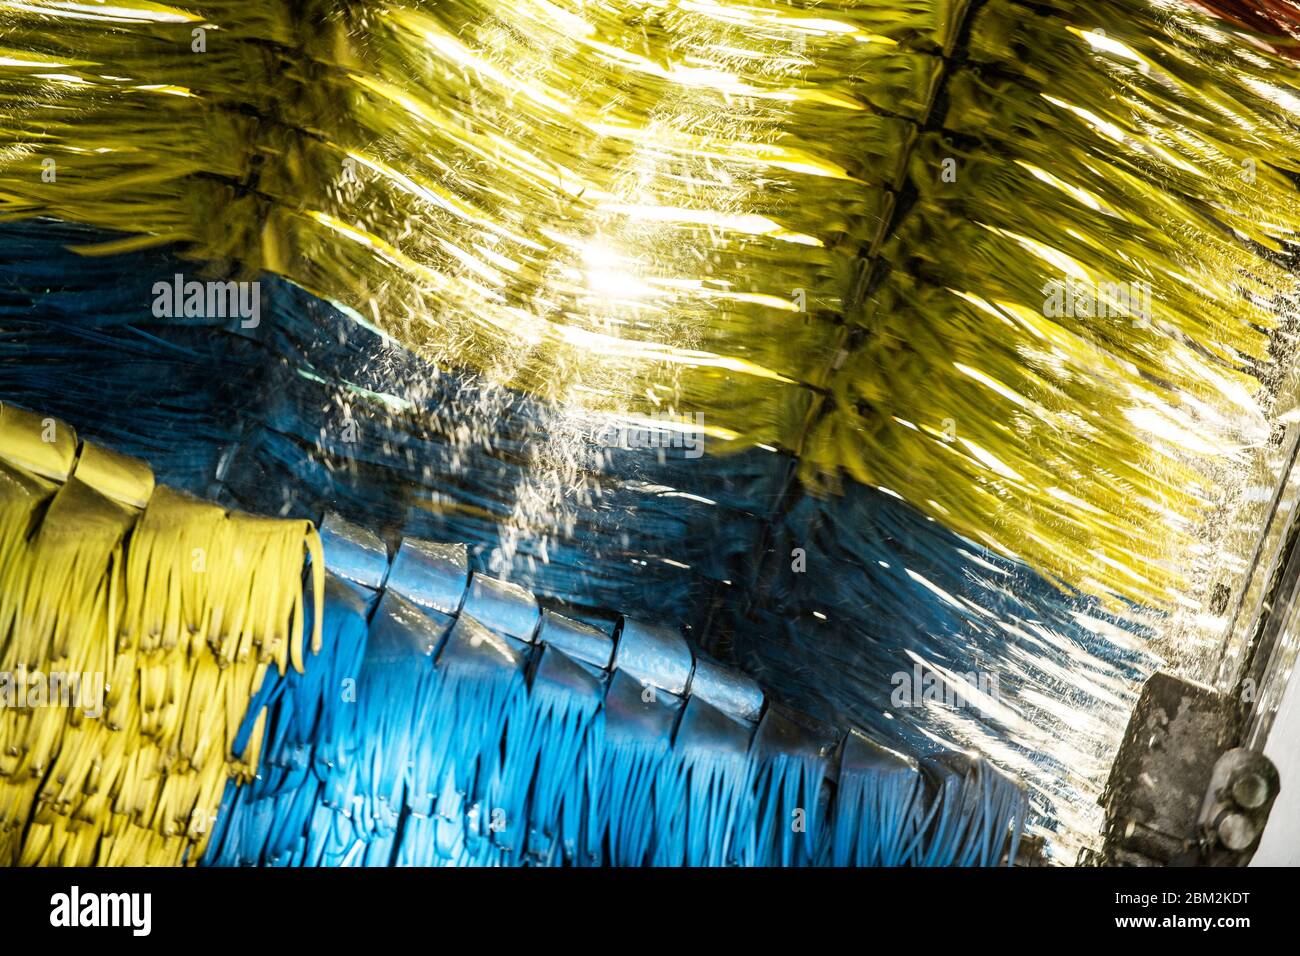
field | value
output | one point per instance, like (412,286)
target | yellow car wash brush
(169,618)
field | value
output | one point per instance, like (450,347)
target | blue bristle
(481,695)
(392,691)
(705,804)
(304,712)
(880,815)
(788,822)
(570,806)
(978,814)
(546,757)
(221,850)
(639,727)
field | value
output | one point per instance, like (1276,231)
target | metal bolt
(1237,832)
(1250,790)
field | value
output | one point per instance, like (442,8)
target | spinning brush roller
(131,773)
(598,205)
(634,749)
